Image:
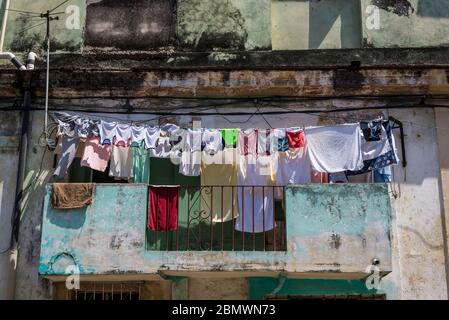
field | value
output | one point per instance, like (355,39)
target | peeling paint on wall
(26,32)
(230,25)
(399,7)
(211,24)
(136,24)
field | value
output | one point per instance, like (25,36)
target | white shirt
(335,149)
(107,132)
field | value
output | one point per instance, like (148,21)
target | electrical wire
(28,28)
(21,11)
(59,5)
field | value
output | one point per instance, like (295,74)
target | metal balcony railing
(207,218)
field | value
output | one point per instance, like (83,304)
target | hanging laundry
(193,140)
(295,138)
(220,201)
(141,164)
(96,156)
(247,142)
(293,167)
(383,175)
(138,134)
(281,143)
(230,137)
(372,130)
(212,141)
(163,208)
(75,126)
(335,149)
(152,135)
(85,127)
(178,139)
(378,154)
(256,200)
(79,149)
(121,165)
(264,142)
(162,149)
(66,128)
(168,129)
(371,149)
(72,195)
(190,164)
(122,135)
(107,132)
(68,153)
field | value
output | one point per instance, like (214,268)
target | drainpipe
(9,56)
(23,147)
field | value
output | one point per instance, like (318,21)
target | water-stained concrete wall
(9,151)
(27,32)
(406,23)
(130,25)
(217,24)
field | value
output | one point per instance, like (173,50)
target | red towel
(163,208)
(295,139)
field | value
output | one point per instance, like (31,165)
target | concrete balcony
(331,231)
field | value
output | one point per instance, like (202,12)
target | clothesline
(330,149)
(251,158)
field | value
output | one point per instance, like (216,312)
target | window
(100,291)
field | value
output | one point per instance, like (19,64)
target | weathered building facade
(269,63)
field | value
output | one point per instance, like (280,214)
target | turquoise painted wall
(259,287)
(330,229)
(100,235)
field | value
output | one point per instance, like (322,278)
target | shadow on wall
(68,219)
(324,15)
(433,8)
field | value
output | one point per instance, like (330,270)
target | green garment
(230,137)
(141,164)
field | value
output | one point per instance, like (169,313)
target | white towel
(255,203)
(335,149)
